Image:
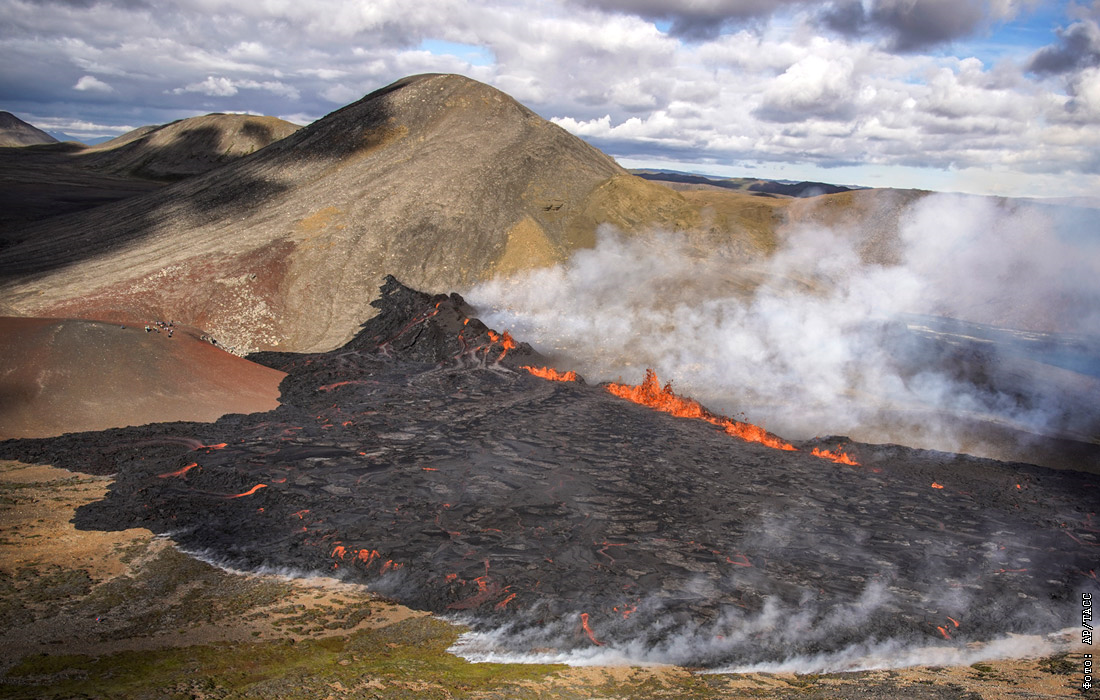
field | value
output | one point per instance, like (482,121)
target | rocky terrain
(124,615)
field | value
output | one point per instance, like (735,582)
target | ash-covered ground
(422,459)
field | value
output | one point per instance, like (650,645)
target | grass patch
(1059,665)
(406,659)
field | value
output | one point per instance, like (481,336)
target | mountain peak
(16,132)
(438,179)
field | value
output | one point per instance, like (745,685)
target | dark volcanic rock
(421,459)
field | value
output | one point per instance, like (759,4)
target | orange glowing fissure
(588,630)
(650,393)
(838,456)
(506,341)
(249,492)
(179,472)
(552,374)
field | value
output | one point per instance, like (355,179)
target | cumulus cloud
(910,24)
(1078,46)
(224,87)
(816,83)
(813,86)
(90,82)
(907,25)
(701,19)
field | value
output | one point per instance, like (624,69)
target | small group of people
(158,326)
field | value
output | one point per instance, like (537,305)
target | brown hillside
(49,180)
(437,179)
(186,147)
(16,132)
(61,376)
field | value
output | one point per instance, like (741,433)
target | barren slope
(49,180)
(59,376)
(186,147)
(16,132)
(437,178)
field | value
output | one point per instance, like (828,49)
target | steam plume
(951,328)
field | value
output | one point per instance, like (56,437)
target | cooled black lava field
(422,459)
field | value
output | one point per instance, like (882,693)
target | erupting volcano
(431,458)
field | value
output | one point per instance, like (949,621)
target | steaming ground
(977,329)
(559,519)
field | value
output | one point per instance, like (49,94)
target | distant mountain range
(787,188)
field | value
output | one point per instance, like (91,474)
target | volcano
(422,458)
(437,178)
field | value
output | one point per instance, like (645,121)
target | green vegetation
(407,659)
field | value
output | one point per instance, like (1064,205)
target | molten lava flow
(505,341)
(943,631)
(649,393)
(552,374)
(838,456)
(179,472)
(588,630)
(504,603)
(366,556)
(219,446)
(249,492)
(936,486)
(740,560)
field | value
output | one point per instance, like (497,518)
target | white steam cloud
(823,337)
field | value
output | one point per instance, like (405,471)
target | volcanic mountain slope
(423,459)
(46,181)
(61,376)
(186,147)
(437,178)
(16,132)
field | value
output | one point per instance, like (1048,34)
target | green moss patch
(405,659)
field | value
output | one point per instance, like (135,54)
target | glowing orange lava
(649,393)
(552,374)
(219,446)
(366,556)
(837,456)
(502,604)
(943,631)
(505,341)
(179,472)
(936,486)
(588,630)
(249,492)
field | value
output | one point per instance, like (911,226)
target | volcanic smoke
(974,328)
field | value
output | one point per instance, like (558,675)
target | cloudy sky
(987,96)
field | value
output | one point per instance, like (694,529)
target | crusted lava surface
(422,459)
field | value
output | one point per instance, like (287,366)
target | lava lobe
(426,459)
